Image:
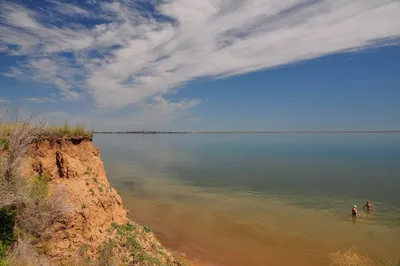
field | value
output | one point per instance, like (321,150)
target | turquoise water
(321,174)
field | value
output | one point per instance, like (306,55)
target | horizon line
(243,131)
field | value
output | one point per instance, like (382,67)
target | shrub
(35,205)
(39,208)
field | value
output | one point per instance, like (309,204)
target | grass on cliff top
(38,130)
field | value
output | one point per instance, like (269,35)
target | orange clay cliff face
(96,227)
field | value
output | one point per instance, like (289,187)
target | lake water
(261,199)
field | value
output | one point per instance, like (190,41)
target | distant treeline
(244,132)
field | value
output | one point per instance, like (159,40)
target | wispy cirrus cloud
(67,9)
(41,100)
(157,112)
(126,55)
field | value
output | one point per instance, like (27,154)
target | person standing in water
(354,212)
(368,206)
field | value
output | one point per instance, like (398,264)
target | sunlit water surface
(261,199)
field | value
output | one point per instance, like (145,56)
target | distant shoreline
(252,132)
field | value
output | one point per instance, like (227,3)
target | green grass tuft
(147,229)
(4,143)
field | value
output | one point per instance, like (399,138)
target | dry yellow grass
(64,130)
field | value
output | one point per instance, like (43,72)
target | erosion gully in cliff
(96,231)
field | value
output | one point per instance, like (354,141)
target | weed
(114,225)
(44,248)
(100,188)
(95,180)
(88,171)
(147,229)
(83,249)
(91,192)
(125,259)
(39,188)
(4,262)
(106,255)
(66,130)
(130,226)
(83,206)
(5,143)
(87,183)
(3,250)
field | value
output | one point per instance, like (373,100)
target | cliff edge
(96,229)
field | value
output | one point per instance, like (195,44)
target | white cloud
(3,48)
(56,71)
(152,115)
(131,57)
(161,111)
(41,100)
(68,9)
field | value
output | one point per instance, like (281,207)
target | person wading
(354,211)
(368,206)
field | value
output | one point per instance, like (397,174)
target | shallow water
(261,199)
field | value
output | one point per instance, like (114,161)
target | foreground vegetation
(30,205)
(27,204)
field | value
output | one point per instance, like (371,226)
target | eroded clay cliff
(97,221)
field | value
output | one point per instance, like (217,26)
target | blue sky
(204,65)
